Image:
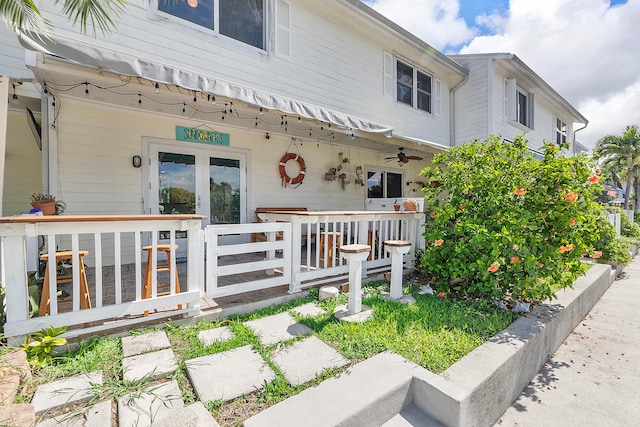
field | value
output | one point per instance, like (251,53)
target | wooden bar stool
(45,300)
(330,246)
(146,290)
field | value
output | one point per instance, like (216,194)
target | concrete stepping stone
(144,343)
(155,365)
(66,392)
(228,374)
(276,328)
(144,408)
(194,415)
(210,336)
(309,310)
(98,415)
(304,360)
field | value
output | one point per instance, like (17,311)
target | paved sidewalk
(593,379)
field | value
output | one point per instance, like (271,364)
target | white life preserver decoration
(283,172)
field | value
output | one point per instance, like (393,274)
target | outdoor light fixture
(192,3)
(14,97)
(136,161)
(267,136)
(157,87)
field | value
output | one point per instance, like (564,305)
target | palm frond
(99,13)
(23,16)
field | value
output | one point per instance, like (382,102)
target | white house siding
(471,104)
(336,61)
(96,143)
(23,166)
(12,63)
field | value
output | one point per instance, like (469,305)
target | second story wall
(334,54)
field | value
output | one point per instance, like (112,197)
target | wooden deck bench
(261,237)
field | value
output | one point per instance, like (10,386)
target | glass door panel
(224,191)
(176,183)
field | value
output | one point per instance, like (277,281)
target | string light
(282,119)
(14,97)
(267,136)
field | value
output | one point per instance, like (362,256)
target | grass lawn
(434,332)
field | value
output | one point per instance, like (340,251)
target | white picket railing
(311,229)
(111,241)
(291,255)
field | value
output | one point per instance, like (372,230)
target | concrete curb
(483,384)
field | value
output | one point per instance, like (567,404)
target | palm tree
(621,150)
(24,16)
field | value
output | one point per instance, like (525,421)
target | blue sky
(585,49)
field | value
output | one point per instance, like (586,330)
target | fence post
(14,279)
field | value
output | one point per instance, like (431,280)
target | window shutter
(510,99)
(283,28)
(437,88)
(388,75)
(532,104)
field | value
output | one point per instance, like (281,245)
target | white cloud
(435,21)
(587,51)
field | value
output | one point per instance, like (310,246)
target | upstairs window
(561,131)
(242,20)
(518,104)
(413,87)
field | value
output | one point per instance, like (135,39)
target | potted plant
(47,204)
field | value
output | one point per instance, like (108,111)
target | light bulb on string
(86,88)
(157,87)
(261,111)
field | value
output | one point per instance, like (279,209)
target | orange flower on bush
(597,254)
(515,247)
(571,197)
(594,178)
(572,221)
(438,242)
(432,214)
(442,294)
(493,267)
(519,191)
(565,248)
(515,259)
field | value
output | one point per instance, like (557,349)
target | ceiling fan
(403,158)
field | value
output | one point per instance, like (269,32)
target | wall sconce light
(136,161)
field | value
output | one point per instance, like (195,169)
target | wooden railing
(112,242)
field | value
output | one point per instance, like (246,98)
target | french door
(203,180)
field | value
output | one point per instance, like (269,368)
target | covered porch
(224,267)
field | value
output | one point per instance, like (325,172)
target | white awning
(119,63)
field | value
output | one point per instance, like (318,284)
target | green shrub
(503,223)
(629,228)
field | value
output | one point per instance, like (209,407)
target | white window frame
(183,25)
(414,86)
(561,130)
(512,107)
(384,172)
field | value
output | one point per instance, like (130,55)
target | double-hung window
(561,131)
(413,87)
(518,104)
(384,184)
(242,20)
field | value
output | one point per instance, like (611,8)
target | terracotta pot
(410,205)
(396,207)
(47,208)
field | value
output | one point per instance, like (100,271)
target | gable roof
(511,61)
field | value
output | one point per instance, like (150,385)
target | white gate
(244,267)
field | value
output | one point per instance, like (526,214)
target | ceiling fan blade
(414,157)
(391,158)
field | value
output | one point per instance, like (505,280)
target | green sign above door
(202,136)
